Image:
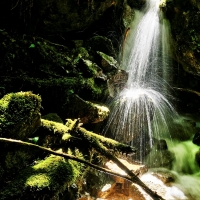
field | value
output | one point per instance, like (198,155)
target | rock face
(184,19)
(185,34)
(121,188)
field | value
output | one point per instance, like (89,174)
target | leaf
(71,91)
(32,46)
(34,140)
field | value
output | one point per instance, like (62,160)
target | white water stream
(142,107)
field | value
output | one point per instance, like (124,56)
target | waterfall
(141,107)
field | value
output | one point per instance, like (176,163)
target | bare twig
(15,5)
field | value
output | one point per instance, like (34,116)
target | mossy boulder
(20,115)
(108,63)
(87,111)
(19,119)
(100,43)
(46,179)
(186,37)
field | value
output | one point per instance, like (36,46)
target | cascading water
(141,114)
(141,106)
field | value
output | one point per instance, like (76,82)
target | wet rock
(197,158)
(185,35)
(162,145)
(164,175)
(101,44)
(196,139)
(128,16)
(160,156)
(117,82)
(137,169)
(121,188)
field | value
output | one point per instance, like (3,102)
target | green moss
(100,43)
(92,68)
(55,126)
(90,84)
(15,110)
(66,137)
(47,178)
(111,61)
(100,141)
(15,160)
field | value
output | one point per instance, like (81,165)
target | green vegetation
(17,109)
(48,177)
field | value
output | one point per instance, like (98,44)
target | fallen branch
(187,90)
(133,178)
(67,156)
(98,146)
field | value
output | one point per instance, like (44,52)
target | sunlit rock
(166,176)
(108,62)
(121,188)
(88,112)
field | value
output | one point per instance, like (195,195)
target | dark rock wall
(184,17)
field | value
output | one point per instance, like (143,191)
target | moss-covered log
(59,133)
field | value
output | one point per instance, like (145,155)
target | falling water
(142,107)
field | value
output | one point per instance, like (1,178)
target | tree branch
(98,146)
(133,178)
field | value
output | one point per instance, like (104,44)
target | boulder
(19,115)
(19,119)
